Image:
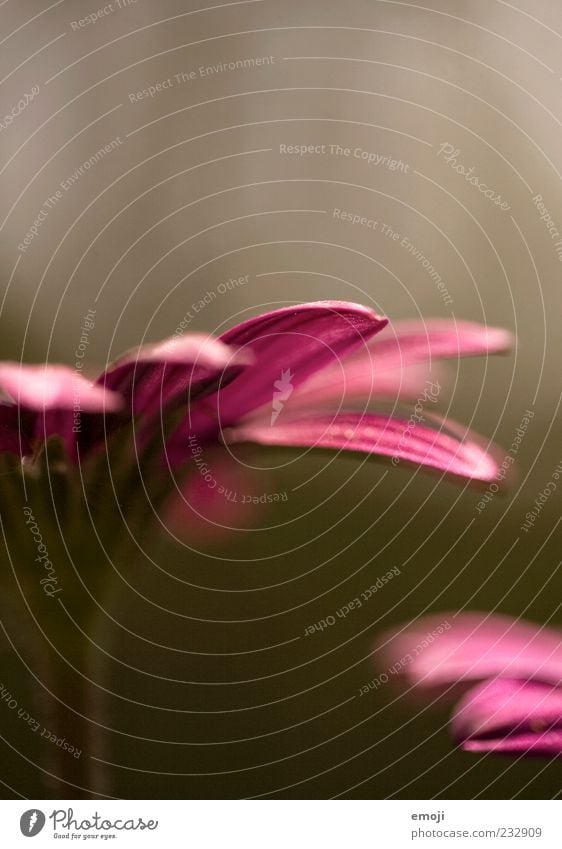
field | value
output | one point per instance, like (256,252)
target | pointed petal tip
(499,340)
(375,434)
(481,464)
(437,338)
(336,306)
(347,306)
(365,318)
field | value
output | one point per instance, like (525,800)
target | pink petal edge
(54,387)
(477,645)
(376,434)
(507,715)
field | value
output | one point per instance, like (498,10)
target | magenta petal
(377,434)
(49,400)
(152,376)
(54,387)
(400,362)
(476,645)
(287,345)
(355,320)
(510,716)
(295,341)
(402,384)
(407,342)
(360,379)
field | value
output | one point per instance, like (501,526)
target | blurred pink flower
(518,707)
(202,513)
(40,400)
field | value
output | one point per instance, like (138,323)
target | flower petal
(49,400)
(153,376)
(510,716)
(287,346)
(407,342)
(377,434)
(54,387)
(360,380)
(297,341)
(477,645)
(391,364)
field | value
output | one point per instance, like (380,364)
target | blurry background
(147,176)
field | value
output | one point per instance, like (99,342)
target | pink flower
(518,707)
(287,377)
(39,402)
(510,717)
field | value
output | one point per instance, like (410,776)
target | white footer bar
(283,824)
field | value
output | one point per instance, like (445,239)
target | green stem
(69,732)
(52,519)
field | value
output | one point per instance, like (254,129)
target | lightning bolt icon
(32,820)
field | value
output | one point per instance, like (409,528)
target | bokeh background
(149,203)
